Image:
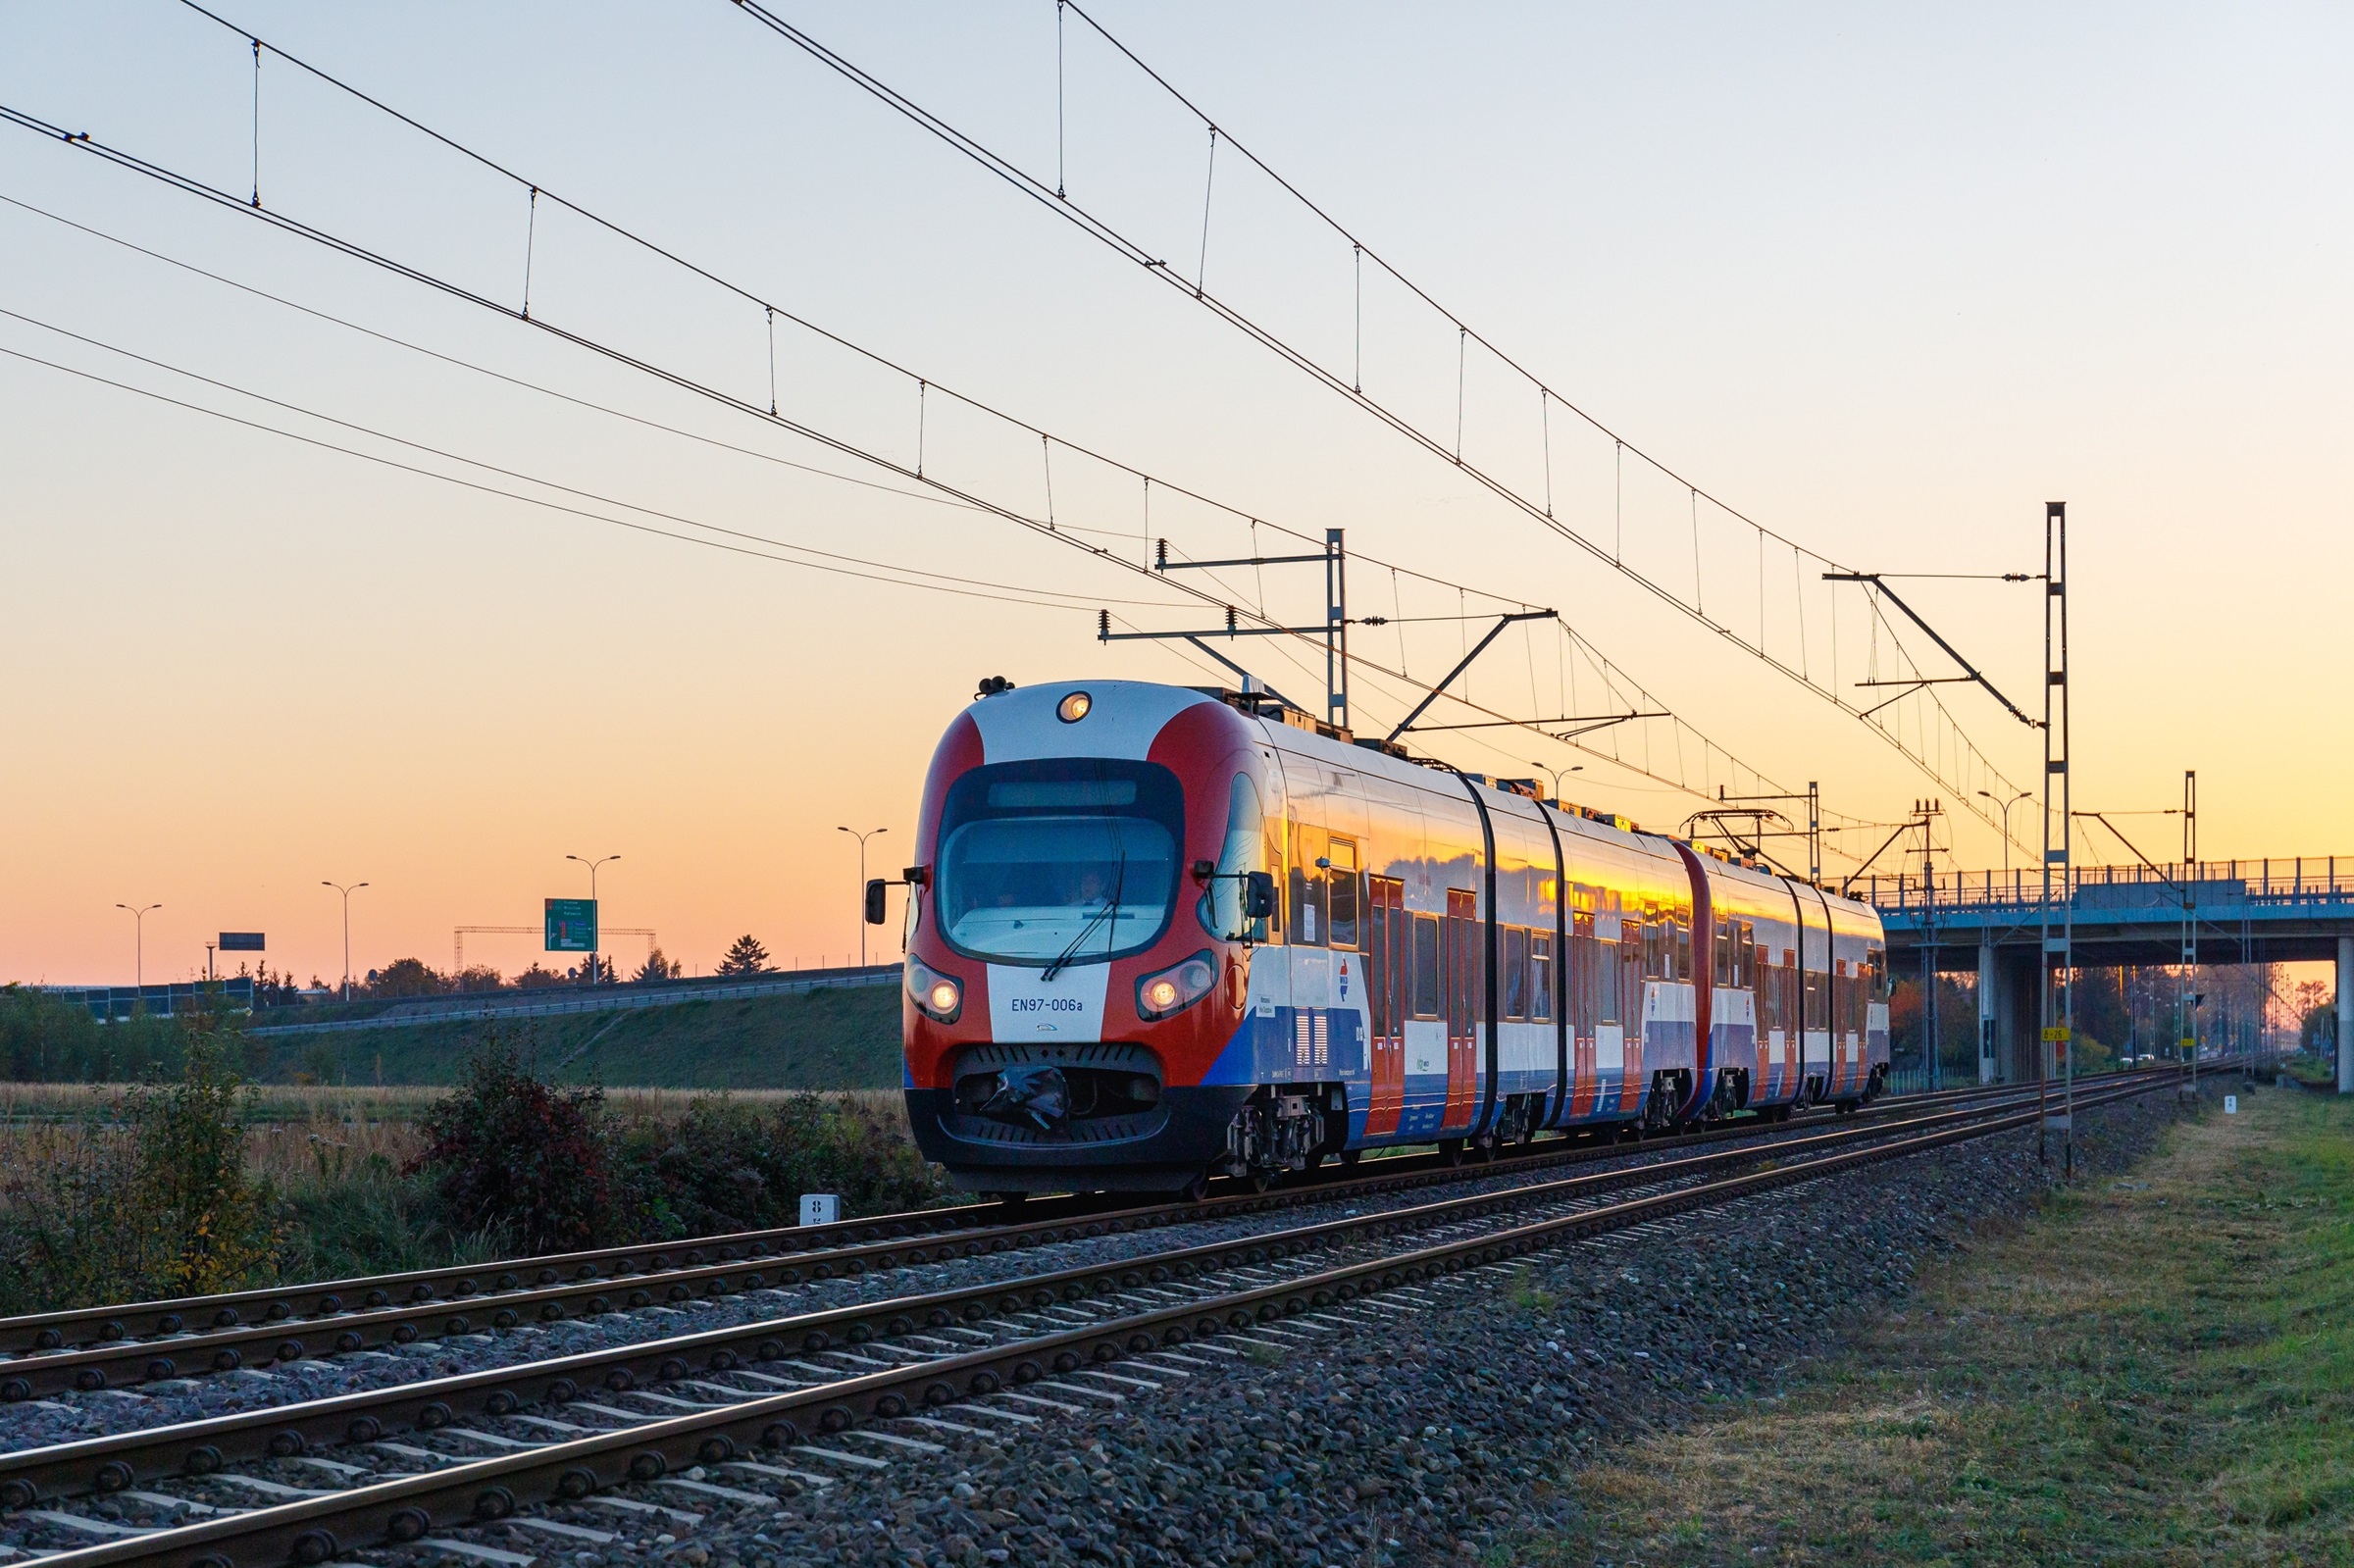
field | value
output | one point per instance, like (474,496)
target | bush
(508,1150)
(729,1166)
(355,1216)
(150,1199)
(47,1040)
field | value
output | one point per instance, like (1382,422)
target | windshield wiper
(1120,877)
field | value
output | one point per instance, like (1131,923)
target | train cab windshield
(1067,861)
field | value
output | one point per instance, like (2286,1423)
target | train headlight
(1176,988)
(1074,707)
(934,993)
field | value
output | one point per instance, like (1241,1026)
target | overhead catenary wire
(123,158)
(1923,757)
(732,541)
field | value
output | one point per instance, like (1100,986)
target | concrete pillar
(2019,1021)
(1987,1069)
(2345,1015)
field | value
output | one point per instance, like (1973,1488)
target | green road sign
(571,925)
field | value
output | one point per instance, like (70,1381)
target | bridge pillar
(2018,1018)
(2345,1015)
(1989,1068)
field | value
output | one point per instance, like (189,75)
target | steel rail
(405,1509)
(508,1304)
(39,1333)
(116,1462)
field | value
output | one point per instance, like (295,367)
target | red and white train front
(1157,933)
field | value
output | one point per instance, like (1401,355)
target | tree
(535,978)
(656,967)
(746,956)
(405,977)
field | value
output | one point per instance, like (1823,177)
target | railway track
(86,1350)
(852,1366)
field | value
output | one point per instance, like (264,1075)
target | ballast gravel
(1430,1430)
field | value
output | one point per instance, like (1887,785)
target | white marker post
(820,1209)
(2231,1104)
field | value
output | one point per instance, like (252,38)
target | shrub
(727,1165)
(508,1150)
(150,1198)
(47,1040)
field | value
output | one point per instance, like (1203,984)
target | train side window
(1745,956)
(1341,891)
(1819,1009)
(1463,967)
(1307,886)
(1683,925)
(1220,910)
(1721,952)
(1635,939)
(1539,976)
(1515,971)
(1877,965)
(1584,959)
(1426,966)
(1608,967)
(1655,958)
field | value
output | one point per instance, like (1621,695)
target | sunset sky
(1887,279)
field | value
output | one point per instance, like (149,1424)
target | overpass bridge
(1992,923)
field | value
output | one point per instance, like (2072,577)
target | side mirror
(1258,895)
(875,912)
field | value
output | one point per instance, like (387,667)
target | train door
(1388,984)
(1815,992)
(1638,945)
(1585,986)
(1462,935)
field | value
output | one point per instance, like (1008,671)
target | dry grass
(311,1132)
(2152,1370)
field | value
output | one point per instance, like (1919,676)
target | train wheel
(1260,1181)
(1195,1190)
(1350,1156)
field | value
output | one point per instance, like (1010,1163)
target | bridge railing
(2318,880)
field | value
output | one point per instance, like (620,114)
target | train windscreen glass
(1060,861)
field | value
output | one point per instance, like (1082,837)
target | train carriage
(1157,933)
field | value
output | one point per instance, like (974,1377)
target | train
(1157,934)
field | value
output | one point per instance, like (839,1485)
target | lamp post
(862,837)
(2006,805)
(1558,774)
(601,914)
(138,944)
(346,891)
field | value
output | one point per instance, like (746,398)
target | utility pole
(138,946)
(1931,1041)
(2184,997)
(346,891)
(2056,989)
(596,926)
(862,837)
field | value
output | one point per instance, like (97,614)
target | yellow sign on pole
(2057,1034)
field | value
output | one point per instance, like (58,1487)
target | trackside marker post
(820,1209)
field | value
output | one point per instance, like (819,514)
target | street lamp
(862,837)
(139,940)
(346,892)
(1558,774)
(597,927)
(2006,805)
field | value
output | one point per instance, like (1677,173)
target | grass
(836,1038)
(2155,1370)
